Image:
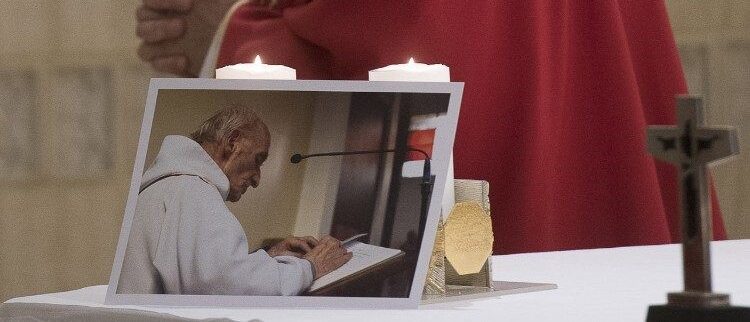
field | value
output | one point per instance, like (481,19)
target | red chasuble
(557,98)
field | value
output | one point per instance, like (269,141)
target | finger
(326,248)
(172,64)
(338,253)
(305,244)
(276,4)
(328,239)
(169,5)
(299,244)
(315,251)
(144,14)
(262,3)
(341,260)
(311,240)
(149,52)
(159,30)
(335,242)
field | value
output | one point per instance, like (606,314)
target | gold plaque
(468,237)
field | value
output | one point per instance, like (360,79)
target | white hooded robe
(184,239)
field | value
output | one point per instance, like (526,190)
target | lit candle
(422,127)
(412,72)
(256,70)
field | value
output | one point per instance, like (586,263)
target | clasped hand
(175,34)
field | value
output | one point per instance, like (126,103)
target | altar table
(608,284)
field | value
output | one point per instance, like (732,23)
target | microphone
(296,158)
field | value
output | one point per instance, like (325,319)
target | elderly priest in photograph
(184,239)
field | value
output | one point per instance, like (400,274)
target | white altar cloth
(609,284)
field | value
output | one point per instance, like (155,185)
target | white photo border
(444,139)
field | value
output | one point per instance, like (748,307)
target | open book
(364,256)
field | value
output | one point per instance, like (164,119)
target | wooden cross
(691,147)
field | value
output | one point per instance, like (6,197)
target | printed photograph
(284,193)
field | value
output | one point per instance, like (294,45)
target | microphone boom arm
(296,158)
(426,176)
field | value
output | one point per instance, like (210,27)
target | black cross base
(672,313)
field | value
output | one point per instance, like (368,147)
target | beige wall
(79,81)
(714,42)
(321,179)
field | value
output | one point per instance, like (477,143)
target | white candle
(412,72)
(418,72)
(256,70)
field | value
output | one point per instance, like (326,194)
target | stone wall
(73,92)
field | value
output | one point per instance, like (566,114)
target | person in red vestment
(556,102)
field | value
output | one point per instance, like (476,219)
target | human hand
(265,3)
(175,34)
(293,246)
(327,256)
(278,4)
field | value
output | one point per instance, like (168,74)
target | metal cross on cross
(692,146)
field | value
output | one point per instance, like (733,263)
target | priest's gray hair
(226,121)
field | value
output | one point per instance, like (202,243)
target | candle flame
(257,60)
(411,61)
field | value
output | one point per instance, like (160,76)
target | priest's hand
(327,256)
(175,34)
(293,246)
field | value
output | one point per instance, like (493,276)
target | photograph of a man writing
(185,240)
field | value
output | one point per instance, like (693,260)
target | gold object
(468,237)
(443,281)
(472,190)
